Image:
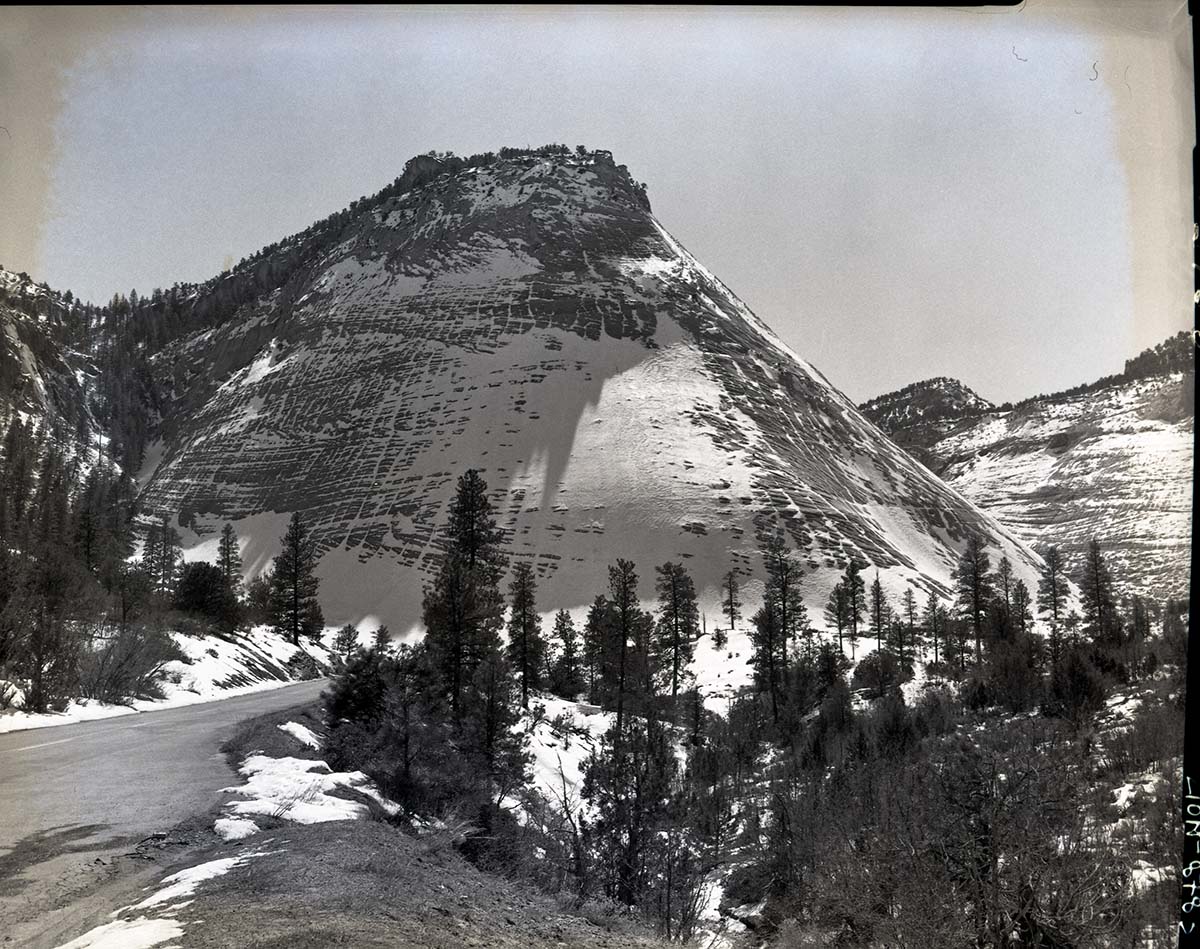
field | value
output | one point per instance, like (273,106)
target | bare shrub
(125,664)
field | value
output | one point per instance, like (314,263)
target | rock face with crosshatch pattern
(532,319)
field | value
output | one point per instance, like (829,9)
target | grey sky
(899,193)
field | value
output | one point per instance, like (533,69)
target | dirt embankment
(366,884)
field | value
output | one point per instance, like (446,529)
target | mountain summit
(524,314)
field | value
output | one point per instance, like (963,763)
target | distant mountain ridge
(918,414)
(1111,459)
(927,401)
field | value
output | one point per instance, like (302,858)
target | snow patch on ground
(1144,876)
(561,741)
(1142,786)
(235,828)
(303,790)
(140,933)
(302,734)
(184,882)
(296,789)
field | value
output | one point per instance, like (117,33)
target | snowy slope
(1113,463)
(532,319)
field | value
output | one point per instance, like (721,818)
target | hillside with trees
(912,795)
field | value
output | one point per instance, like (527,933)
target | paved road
(123,777)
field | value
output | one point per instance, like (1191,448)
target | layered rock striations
(529,317)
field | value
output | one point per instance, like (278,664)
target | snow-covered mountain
(1111,460)
(528,316)
(40,380)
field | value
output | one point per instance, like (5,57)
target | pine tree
(645,668)
(88,533)
(163,556)
(898,642)
(934,619)
(201,591)
(463,609)
(908,609)
(855,591)
(958,635)
(622,626)
(473,533)
(1139,632)
(1052,588)
(229,558)
(769,658)
(1096,588)
(783,590)
(836,610)
(567,680)
(381,640)
(880,613)
(51,501)
(526,647)
(678,621)
(1021,610)
(731,602)
(630,781)
(595,637)
(19,460)
(973,585)
(259,608)
(1071,626)
(346,640)
(488,733)
(295,609)
(1004,582)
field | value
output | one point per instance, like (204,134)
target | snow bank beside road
(300,790)
(214,667)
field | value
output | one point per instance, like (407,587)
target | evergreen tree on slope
(295,609)
(974,588)
(463,609)
(678,621)
(526,647)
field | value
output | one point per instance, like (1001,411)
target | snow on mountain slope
(529,317)
(41,380)
(1113,462)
